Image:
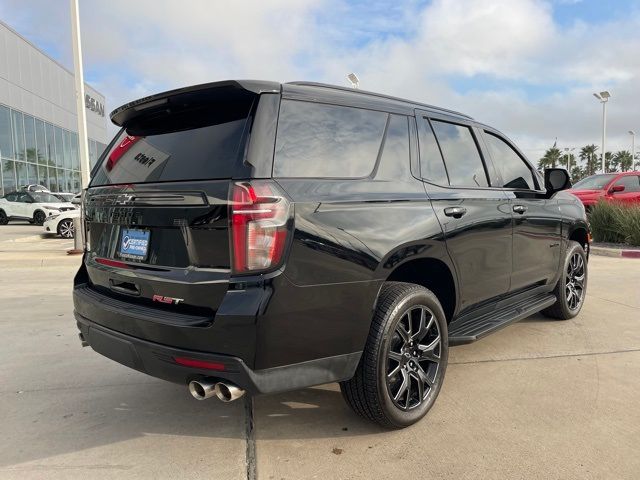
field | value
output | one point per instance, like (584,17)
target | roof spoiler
(206,92)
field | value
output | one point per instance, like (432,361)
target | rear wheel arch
(433,274)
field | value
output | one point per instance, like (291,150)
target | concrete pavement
(540,399)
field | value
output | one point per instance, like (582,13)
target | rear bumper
(159,361)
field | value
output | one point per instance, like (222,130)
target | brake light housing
(259,224)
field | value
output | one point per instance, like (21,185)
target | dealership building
(38,121)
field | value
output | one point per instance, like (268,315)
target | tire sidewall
(4,219)
(38,221)
(571,250)
(396,416)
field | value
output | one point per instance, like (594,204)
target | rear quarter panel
(349,236)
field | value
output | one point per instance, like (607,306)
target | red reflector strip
(111,263)
(192,362)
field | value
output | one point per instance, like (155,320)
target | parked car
(610,187)
(65,197)
(263,237)
(32,206)
(62,223)
(34,188)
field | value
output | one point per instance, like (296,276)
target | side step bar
(468,330)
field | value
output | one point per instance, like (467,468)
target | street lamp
(603,97)
(353,78)
(633,148)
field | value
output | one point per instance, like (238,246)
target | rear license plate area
(134,244)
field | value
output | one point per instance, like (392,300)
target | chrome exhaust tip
(228,392)
(202,389)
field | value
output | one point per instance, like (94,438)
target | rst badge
(168,300)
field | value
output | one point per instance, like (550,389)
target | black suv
(263,237)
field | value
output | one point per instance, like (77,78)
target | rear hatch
(156,214)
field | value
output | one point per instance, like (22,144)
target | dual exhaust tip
(205,388)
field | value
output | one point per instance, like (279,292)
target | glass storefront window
(8,177)
(75,154)
(53,180)
(18,135)
(6,142)
(59,147)
(67,148)
(62,182)
(76,182)
(41,143)
(22,177)
(30,138)
(32,173)
(50,155)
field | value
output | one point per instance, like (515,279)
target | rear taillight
(258,215)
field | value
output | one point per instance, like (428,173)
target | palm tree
(588,155)
(551,158)
(622,160)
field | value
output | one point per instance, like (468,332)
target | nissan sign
(93,105)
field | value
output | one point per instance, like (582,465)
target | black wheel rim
(413,360)
(66,229)
(574,284)
(3,218)
(39,217)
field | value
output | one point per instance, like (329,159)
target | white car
(62,223)
(32,206)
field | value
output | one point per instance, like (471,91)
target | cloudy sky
(527,67)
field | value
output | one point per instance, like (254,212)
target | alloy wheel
(414,357)
(574,284)
(3,218)
(65,228)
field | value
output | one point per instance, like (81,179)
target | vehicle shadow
(316,412)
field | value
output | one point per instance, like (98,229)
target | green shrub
(615,223)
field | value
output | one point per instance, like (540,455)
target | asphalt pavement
(539,399)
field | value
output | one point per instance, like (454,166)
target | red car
(611,187)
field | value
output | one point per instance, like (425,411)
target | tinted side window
(461,155)
(631,183)
(11,197)
(515,172)
(431,164)
(395,163)
(24,198)
(316,140)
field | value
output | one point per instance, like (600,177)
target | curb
(614,252)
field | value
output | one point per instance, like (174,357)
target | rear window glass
(206,145)
(327,141)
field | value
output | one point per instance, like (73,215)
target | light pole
(353,78)
(603,97)
(567,152)
(633,148)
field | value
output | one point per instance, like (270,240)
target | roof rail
(374,94)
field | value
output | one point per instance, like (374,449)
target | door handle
(520,209)
(455,212)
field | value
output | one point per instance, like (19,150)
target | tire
(3,218)
(65,228)
(371,391)
(571,288)
(39,217)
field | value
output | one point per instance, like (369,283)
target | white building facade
(38,124)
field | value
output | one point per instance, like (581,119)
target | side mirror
(556,179)
(616,188)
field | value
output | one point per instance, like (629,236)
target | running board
(468,330)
